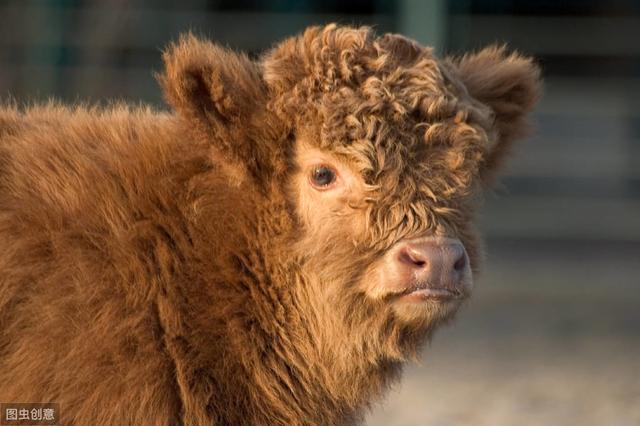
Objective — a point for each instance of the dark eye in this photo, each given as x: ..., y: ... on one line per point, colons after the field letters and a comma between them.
x: 323, y: 176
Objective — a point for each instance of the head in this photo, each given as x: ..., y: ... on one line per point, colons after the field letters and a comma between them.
x: 381, y: 150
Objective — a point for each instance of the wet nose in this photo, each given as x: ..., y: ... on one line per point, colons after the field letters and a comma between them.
x: 439, y: 262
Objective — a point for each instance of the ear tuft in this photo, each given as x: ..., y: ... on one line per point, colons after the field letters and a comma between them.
x: 510, y: 84
x: 208, y: 83
x: 221, y: 98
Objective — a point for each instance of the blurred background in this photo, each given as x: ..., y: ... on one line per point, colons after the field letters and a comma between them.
x: 552, y: 335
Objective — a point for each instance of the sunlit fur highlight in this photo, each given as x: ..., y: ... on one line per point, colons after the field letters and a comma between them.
x: 167, y: 261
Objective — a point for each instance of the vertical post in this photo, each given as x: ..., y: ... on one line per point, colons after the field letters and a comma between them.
x: 423, y: 21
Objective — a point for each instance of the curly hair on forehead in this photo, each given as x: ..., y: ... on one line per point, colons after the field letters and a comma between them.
x: 394, y: 111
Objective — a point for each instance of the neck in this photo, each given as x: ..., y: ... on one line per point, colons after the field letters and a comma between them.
x: 274, y: 355
x: 304, y: 367
x: 257, y: 345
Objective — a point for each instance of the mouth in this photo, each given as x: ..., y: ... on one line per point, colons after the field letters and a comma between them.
x: 424, y: 293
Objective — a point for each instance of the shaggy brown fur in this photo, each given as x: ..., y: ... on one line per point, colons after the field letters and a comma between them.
x: 178, y: 269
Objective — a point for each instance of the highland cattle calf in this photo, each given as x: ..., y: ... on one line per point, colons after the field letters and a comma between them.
x: 269, y: 253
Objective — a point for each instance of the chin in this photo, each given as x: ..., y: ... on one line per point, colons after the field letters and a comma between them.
x: 427, y: 313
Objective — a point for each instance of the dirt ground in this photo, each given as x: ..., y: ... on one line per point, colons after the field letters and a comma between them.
x: 551, y: 337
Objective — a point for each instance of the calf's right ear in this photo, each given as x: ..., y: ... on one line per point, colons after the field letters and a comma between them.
x: 218, y: 93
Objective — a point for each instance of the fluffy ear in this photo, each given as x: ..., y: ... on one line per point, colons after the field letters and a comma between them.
x: 219, y: 93
x: 510, y: 85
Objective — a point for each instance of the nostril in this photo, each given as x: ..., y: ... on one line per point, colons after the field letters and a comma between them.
x: 406, y: 256
x: 461, y: 263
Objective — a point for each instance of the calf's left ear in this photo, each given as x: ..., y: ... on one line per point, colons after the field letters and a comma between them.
x: 219, y: 93
x: 508, y: 83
